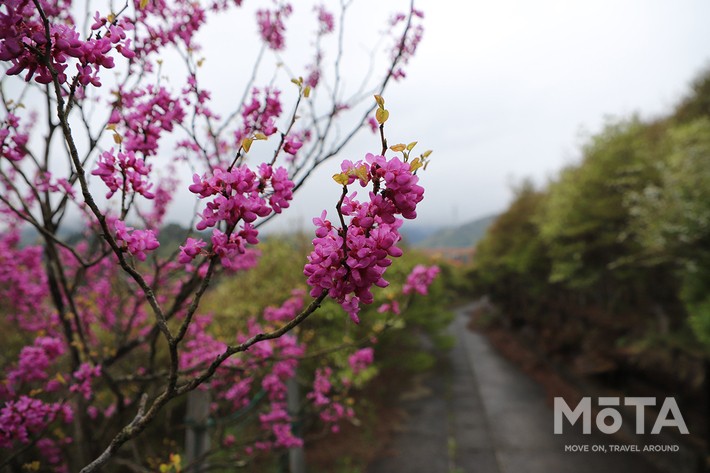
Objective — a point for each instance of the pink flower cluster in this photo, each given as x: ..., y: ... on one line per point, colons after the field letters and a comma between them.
x: 347, y: 262
x: 136, y: 242
x: 83, y: 377
x: 23, y: 284
x: 219, y: 5
x: 238, y: 195
x: 44, y: 182
x: 125, y: 172
x: 33, y: 362
x: 25, y: 416
x: 12, y: 139
x: 292, y: 144
x: 190, y: 250
x: 274, y: 361
x: 392, y: 306
x: 326, y: 21
x: 201, y: 348
x: 24, y: 43
x: 406, y: 48
x: 420, y: 279
x: 331, y: 412
x: 260, y: 118
x: 271, y: 26
x: 288, y: 309
x: 163, y: 195
x: 326, y: 25
x: 168, y: 23
x: 361, y: 359
x: 145, y: 114
x: 201, y: 97
x: 232, y: 250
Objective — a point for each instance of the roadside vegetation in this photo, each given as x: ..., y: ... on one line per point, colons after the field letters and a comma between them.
x: 606, y: 269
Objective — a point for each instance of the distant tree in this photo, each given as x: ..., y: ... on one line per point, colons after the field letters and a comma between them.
x: 672, y: 217
x: 512, y: 249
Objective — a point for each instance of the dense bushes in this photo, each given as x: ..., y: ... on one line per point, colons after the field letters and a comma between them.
x: 611, y: 260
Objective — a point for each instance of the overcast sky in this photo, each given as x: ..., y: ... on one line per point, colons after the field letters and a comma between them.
x: 503, y: 90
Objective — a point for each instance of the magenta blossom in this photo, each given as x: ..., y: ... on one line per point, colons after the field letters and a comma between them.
x: 347, y: 267
x: 420, y: 279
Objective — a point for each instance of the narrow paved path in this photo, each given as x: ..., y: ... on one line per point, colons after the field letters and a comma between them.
x: 477, y: 413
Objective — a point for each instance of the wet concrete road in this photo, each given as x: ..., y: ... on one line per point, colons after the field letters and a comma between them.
x: 478, y: 413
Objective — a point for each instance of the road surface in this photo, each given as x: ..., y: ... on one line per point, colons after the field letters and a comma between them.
x: 478, y: 413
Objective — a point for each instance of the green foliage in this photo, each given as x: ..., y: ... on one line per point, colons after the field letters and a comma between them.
x: 672, y: 218
x: 625, y: 234
x: 696, y: 298
x: 585, y: 218
x: 697, y: 104
x: 279, y: 271
x: 511, y: 262
x: 512, y: 245
x: 673, y: 215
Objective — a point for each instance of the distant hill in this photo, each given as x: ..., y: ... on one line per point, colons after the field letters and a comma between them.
x: 463, y: 236
x: 414, y: 233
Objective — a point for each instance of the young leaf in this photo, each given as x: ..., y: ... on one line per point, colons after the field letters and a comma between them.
x: 381, y: 115
x: 361, y: 173
x: 341, y: 178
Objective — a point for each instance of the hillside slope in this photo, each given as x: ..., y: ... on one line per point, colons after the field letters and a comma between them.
x: 463, y: 236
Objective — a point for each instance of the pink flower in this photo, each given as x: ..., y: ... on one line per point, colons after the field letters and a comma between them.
x: 292, y: 145
x: 361, y: 359
x: 288, y: 309
x: 13, y: 139
x: 125, y: 172
x: 389, y: 307
x: 258, y: 117
x: 191, y: 248
x: 420, y: 279
x: 143, y: 116
x: 83, y: 377
x: 372, y: 123
x: 23, y: 42
x: 326, y: 21
x: 271, y: 26
x: 136, y: 242
x: 348, y: 267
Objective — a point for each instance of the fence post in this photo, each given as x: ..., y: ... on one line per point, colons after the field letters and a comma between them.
x: 197, y: 439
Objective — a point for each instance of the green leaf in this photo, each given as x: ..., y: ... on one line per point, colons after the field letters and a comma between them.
x: 341, y: 178
x: 381, y: 115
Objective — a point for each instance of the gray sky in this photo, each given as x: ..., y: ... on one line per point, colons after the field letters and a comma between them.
x: 500, y: 90
x: 505, y: 90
